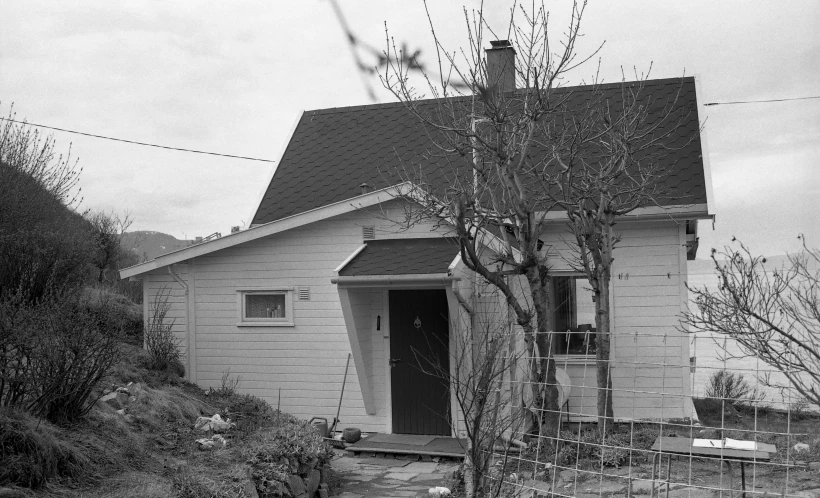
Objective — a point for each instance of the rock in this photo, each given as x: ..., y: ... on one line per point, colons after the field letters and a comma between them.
x: 111, y: 400
x: 130, y: 418
x: 815, y: 466
x: 801, y: 447
x: 438, y: 491
x: 708, y: 434
x: 250, y: 490
x: 11, y: 493
x: 567, y: 475
x: 214, y: 423
x: 215, y: 442
x: 436, y: 459
x: 296, y: 486
x: 426, y: 458
x: 323, y: 493
x: 205, y: 444
x: 121, y: 411
x: 312, y: 482
x: 641, y: 487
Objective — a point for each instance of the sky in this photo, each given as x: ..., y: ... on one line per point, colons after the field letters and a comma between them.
x: 232, y: 77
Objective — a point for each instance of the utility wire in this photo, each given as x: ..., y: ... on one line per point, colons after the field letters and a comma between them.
x: 761, y: 101
x: 137, y: 143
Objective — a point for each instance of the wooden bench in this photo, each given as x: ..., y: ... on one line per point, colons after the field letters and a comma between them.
x: 682, y: 447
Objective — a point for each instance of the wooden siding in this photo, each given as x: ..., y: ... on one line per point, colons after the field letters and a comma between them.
x: 307, y: 361
x: 649, y: 352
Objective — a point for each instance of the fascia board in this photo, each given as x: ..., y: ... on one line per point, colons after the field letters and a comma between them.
x: 704, y: 147
x: 297, y: 220
x: 266, y: 185
x: 649, y: 213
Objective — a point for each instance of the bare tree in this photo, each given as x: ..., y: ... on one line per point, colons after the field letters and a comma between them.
x: 614, y: 162
x: 479, y: 365
x: 771, y: 314
x: 30, y: 152
x: 486, y: 142
x: 107, y: 232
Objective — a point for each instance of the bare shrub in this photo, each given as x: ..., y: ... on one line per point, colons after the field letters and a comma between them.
x: 162, y: 345
x: 32, y: 153
x: 53, y: 355
x: 731, y: 387
x: 228, y: 384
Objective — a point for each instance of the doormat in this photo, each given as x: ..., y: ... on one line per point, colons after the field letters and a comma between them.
x: 411, y: 439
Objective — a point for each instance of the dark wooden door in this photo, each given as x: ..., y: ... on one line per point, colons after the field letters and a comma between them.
x: 420, y: 362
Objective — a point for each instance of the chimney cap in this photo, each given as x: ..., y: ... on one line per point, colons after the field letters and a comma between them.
x: 501, y: 44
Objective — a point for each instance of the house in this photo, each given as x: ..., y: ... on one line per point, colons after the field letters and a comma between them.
x: 323, y: 272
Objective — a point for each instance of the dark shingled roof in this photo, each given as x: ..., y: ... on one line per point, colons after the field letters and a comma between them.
x: 333, y: 151
x: 403, y: 257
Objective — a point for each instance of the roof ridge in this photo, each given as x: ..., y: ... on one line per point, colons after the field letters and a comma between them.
x: 386, y: 105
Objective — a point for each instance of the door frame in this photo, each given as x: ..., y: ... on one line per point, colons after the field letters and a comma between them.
x: 385, y: 325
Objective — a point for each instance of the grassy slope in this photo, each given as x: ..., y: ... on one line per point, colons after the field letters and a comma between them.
x: 149, y: 453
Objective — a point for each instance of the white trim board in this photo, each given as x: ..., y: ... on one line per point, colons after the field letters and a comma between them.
x: 297, y: 220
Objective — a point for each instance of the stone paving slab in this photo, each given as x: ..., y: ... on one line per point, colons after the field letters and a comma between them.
x: 373, y: 477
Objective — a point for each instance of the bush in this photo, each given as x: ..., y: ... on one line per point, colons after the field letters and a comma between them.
x: 53, y: 355
x: 116, y: 312
x: 160, y: 342
x: 275, y: 451
x: 731, y: 387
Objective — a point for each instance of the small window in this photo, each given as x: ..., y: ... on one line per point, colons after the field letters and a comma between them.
x: 266, y: 307
x: 574, y: 316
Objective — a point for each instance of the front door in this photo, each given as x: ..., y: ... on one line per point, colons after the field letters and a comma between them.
x: 420, y: 362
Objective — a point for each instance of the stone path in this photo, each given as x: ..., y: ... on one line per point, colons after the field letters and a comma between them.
x: 384, y: 477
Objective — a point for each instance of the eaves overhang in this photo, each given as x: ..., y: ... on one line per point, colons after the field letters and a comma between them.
x: 271, y: 228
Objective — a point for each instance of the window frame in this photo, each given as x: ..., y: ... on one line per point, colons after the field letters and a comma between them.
x: 567, y: 357
x: 245, y: 321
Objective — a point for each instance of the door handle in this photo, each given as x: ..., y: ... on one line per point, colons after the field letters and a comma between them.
x: 393, y: 361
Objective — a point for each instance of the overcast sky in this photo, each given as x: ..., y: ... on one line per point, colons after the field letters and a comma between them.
x: 231, y: 77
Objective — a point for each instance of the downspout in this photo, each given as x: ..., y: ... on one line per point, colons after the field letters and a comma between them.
x: 187, y: 318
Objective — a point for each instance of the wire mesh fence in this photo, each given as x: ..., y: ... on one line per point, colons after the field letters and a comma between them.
x: 708, y: 423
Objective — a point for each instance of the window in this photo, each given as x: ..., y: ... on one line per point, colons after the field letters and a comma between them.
x: 269, y: 308
x: 574, y: 316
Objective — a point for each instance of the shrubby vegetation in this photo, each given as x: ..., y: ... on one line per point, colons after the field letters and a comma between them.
x: 70, y: 330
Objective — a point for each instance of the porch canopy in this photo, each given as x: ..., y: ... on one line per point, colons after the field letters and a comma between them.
x: 362, y: 283
x: 432, y: 256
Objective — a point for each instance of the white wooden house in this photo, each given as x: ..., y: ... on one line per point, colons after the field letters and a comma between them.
x: 322, y: 272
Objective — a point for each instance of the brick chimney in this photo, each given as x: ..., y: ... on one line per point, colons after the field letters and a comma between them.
x: 501, y: 66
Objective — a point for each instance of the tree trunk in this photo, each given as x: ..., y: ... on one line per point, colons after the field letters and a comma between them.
x: 543, y: 382
x: 606, y: 416
x: 470, y: 481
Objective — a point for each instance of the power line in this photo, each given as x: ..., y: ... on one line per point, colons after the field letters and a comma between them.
x: 761, y: 101
x: 137, y: 143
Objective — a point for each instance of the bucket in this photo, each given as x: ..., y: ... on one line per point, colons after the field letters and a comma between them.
x: 320, y: 425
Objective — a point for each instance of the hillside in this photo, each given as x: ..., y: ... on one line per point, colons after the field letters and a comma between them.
x: 148, y: 244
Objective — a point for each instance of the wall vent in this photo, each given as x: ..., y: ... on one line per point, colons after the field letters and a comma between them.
x: 304, y: 293
x: 368, y: 232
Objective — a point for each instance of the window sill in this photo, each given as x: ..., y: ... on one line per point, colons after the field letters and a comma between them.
x: 574, y: 359
x: 265, y: 324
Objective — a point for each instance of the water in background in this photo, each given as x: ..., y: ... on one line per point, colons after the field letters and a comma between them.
x: 710, y: 356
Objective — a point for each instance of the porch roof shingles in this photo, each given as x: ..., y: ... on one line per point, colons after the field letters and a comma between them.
x: 402, y: 257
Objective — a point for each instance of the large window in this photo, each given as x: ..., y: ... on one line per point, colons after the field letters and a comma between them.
x: 574, y: 316
x: 272, y: 307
